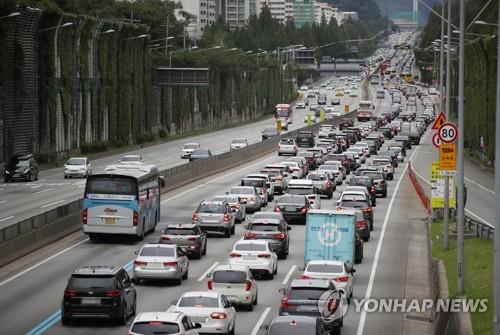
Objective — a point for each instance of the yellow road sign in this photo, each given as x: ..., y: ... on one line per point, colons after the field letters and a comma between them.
x: 322, y: 115
x: 437, y: 188
x: 447, y: 156
x: 309, y: 119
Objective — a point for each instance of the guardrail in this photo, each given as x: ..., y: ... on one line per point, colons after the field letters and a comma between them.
x: 30, y: 234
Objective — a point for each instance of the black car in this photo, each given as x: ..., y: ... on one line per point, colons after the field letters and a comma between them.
x: 269, y: 132
x: 322, y: 99
x: 270, y: 226
x: 345, y: 123
x: 21, y: 167
x: 200, y: 154
x: 305, y: 138
x: 188, y: 236
x: 293, y: 208
x: 101, y: 292
x: 293, y: 325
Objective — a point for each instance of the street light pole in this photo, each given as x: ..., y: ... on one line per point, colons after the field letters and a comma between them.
x: 460, y: 149
x: 446, y: 214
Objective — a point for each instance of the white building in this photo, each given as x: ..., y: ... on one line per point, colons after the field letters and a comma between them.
x: 277, y: 8
x: 205, y: 13
x: 323, y: 8
x: 235, y: 12
x: 343, y: 16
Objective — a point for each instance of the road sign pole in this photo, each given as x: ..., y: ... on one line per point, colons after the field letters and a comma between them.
x: 496, y: 259
x: 446, y: 213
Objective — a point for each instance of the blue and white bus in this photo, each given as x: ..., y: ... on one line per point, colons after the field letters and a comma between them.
x: 124, y: 199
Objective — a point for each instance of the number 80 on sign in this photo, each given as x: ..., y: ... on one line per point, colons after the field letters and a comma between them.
x: 448, y: 133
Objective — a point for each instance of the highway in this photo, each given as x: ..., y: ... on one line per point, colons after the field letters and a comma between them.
x: 20, y: 200
x: 29, y: 302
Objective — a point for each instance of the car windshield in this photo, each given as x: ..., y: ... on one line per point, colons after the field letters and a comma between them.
x: 300, y: 190
x: 242, y: 190
x: 264, y: 226
x: 15, y: 163
x: 250, y: 247
x: 306, y: 293
x: 292, y: 200
x: 86, y: 282
x: 131, y: 159
x: 317, y: 177
x: 229, y: 277
x: 200, y: 302
x: 325, y: 268
x: 191, y: 146
x: 374, y: 175
x: 76, y: 161
x: 228, y: 198
x: 179, y: 231
x: 157, y: 251
x: 155, y: 328
x: 207, y: 207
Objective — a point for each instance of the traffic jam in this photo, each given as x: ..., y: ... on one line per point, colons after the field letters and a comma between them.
x: 325, y: 187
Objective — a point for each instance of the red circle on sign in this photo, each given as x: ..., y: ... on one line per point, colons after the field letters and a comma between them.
x: 448, y: 133
x: 436, y: 141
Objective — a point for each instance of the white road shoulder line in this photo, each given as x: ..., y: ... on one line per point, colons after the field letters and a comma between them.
x: 3, y: 202
x: 51, y: 204
x: 47, y: 190
x: 261, y: 320
x: 7, y: 218
x: 289, y: 274
x: 204, y: 275
x: 479, y: 185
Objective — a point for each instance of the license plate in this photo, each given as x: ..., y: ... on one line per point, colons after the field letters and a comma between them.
x: 109, y: 220
x: 251, y: 258
x: 155, y: 265
x: 91, y: 301
x: 291, y: 209
x: 307, y: 308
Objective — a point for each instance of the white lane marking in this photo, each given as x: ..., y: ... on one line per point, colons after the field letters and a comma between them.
x: 51, y: 204
x: 262, y: 318
x: 215, y: 179
x: 204, y: 275
x: 7, y: 218
x: 379, y: 244
x: 37, y: 186
x: 34, y: 266
x: 81, y: 186
x: 289, y: 274
x: 2, y: 189
x: 479, y: 185
x: 47, y: 190
x: 3, y: 202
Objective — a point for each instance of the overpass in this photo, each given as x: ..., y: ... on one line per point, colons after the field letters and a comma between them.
x: 339, y: 65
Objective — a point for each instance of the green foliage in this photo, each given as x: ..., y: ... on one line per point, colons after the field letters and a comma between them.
x: 99, y: 146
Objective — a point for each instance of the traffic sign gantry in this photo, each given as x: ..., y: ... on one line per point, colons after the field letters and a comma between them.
x: 448, y: 133
x: 436, y: 141
x: 440, y: 120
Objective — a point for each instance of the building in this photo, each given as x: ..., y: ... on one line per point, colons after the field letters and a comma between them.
x: 235, y: 12
x: 344, y: 16
x: 288, y: 10
x: 277, y: 8
x: 303, y: 12
x: 323, y: 8
x: 205, y: 12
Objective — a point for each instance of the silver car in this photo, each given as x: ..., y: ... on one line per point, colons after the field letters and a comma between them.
x: 287, y: 146
x: 237, y: 205
x: 161, y: 261
x: 250, y: 196
x: 238, y: 143
x: 215, y: 216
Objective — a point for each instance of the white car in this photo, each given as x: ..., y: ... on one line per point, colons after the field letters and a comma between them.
x: 342, y: 274
x: 297, y: 172
x: 211, y: 310
x: 77, y: 167
x: 330, y: 88
x: 432, y: 90
x: 131, y: 159
x: 313, y: 117
x: 324, y: 131
x: 353, y: 93
x: 287, y: 146
x: 161, y: 261
x: 236, y: 282
x: 256, y: 255
x: 300, y: 105
x: 188, y: 148
x: 163, y: 323
x: 238, y: 143
x: 303, y: 88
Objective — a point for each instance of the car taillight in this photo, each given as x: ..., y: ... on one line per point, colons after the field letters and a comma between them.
x: 191, y: 238
x: 304, y: 210
x: 264, y: 256
x: 361, y: 224
x: 248, y: 285
x: 280, y: 236
x: 135, y: 219
x: 234, y: 254
x: 69, y: 292
x: 305, y: 277
x: 226, y: 217
x: 218, y: 316
x: 250, y: 234
x: 328, y: 183
x: 278, y: 178
x: 373, y: 190
x: 165, y: 238
x: 253, y: 198
x: 113, y: 293
x: 195, y: 216
x: 210, y: 284
x: 139, y: 263
x: 342, y: 279
x: 237, y: 206
x: 284, y: 302
x: 85, y: 216
x: 367, y: 210
x: 277, y: 209
x: 170, y: 263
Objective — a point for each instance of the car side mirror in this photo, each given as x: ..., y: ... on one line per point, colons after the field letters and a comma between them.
x: 136, y: 252
x: 209, y: 275
x: 197, y: 325
x: 288, y: 228
x: 282, y: 291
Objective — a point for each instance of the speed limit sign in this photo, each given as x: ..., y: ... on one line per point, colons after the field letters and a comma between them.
x: 448, y: 133
x: 436, y: 141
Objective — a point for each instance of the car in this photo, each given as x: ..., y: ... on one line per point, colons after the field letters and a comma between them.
x: 278, y: 180
x: 345, y: 123
x: 322, y: 183
x: 300, y: 105
x: 272, y: 227
x: 378, y: 180
x: 339, y: 92
x: 363, y: 228
x: 77, y: 167
x: 341, y: 168
x: 322, y: 99
x: 99, y: 291
x: 302, y: 298
x: 200, y: 154
x: 335, y: 101
x: 189, y: 236
x: 149, y: 323
x: 294, y: 325
x: 21, y: 167
x: 311, y: 116
x: 303, y: 88
x: 357, y: 200
x: 380, y: 94
x: 368, y: 184
x: 250, y: 196
x: 305, y: 187
x: 399, y: 151
x: 293, y: 208
x: 305, y: 138
x: 342, y: 274
x: 335, y: 170
x: 432, y: 91
x: 386, y: 163
x: 287, y: 146
x: 215, y: 216
x: 268, y: 185
x: 131, y: 159
x: 269, y: 133
x: 188, y: 148
x: 262, y: 188
x: 237, y: 284
x: 353, y: 93
x: 238, y: 205
x: 257, y: 255
x: 161, y: 261
x: 212, y: 310
x: 311, y: 158
x: 238, y: 143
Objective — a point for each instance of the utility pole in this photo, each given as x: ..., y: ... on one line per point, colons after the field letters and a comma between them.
x: 460, y: 149
x: 496, y: 276
x: 446, y: 212
x: 166, y: 37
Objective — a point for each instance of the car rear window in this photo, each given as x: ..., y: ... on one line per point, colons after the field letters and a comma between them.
x: 155, y: 327
x: 86, y: 282
x: 306, y: 293
x: 210, y: 208
x: 264, y: 215
x: 157, y: 251
x: 287, y: 142
x: 260, y: 226
x: 300, y: 190
x: 199, y: 301
x: 325, y: 268
x: 353, y: 204
x: 229, y: 276
x: 242, y: 190
x: 179, y: 231
x: 305, y: 154
x: 250, y: 247
x: 374, y: 175
x: 292, y: 200
x: 253, y: 182
x: 317, y: 177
